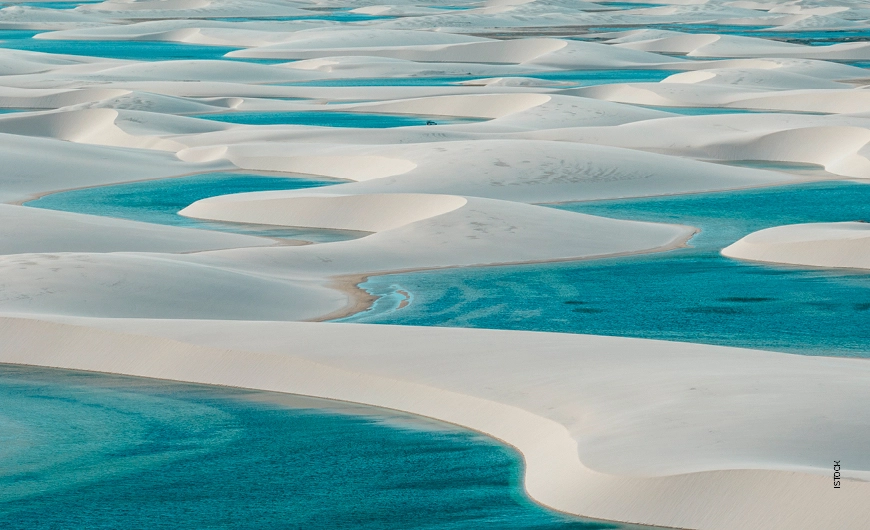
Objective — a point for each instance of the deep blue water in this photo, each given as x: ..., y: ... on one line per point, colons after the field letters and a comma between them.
x: 82, y: 450
x: 158, y: 201
x: 691, y: 294
x: 332, y: 119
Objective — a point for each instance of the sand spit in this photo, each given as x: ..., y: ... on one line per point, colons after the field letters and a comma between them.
x: 595, y: 441
x: 836, y: 245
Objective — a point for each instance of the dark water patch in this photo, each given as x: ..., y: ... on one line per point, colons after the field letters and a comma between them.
x: 713, y: 310
x: 746, y: 299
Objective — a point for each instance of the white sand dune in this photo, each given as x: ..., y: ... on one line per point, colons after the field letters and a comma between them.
x: 366, y: 213
x: 32, y: 230
x: 34, y: 165
x: 708, y: 440
x: 699, y: 89
x: 591, y: 55
x: 493, y: 52
x: 699, y: 45
x: 838, y: 245
x: 540, y: 172
x: 680, y: 435
x: 91, y: 126
x: 21, y: 62
x: 480, y: 231
x: 473, y: 106
x: 153, y: 286
x: 835, y: 144
x: 53, y: 98
x: 271, y: 157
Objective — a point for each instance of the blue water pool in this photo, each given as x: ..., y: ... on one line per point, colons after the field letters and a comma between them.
x: 15, y: 34
x: 628, y: 5
x: 158, y: 201
x: 333, y: 119
x: 82, y: 450
x: 692, y: 294
x: 52, y: 5
x: 706, y: 111
x: 128, y: 50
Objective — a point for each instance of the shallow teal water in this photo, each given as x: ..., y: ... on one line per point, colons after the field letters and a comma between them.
x: 159, y: 201
x: 82, y: 450
x: 692, y: 294
x: 72, y: 4
x: 333, y: 119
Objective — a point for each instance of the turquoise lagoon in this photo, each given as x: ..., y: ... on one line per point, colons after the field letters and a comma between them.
x: 159, y: 201
x: 129, y: 50
x: 85, y: 450
x: 692, y: 294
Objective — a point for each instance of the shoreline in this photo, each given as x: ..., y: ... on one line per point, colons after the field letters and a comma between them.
x: 360, y: 409
x: 360, y: 300
x: 554, y: 475
x: 257, y: 172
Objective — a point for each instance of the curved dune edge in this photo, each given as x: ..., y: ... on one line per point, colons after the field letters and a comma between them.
x: 830, y: 245
x: 359, y: 300
x: 489, y: 106
x: 554, y: 475
x: 88, y: 126
x: 364, y: 213
x: 517, y: 51
x: 350, y: 167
